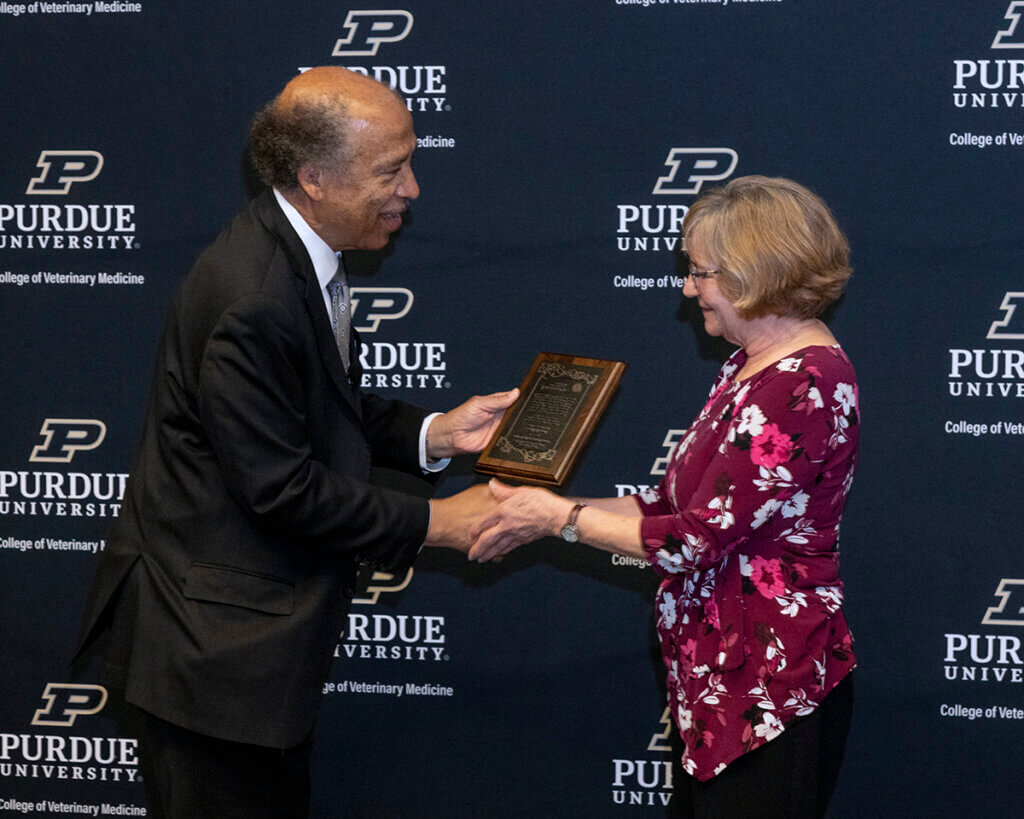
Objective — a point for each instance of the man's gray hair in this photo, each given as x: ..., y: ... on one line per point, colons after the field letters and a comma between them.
x: 307, y: 132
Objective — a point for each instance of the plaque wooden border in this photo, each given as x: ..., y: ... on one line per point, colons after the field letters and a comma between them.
x: 551, y: 466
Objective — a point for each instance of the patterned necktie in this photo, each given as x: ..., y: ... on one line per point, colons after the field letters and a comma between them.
x: 341, y: 312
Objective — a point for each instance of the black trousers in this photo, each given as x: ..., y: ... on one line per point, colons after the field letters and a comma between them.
x: 192, y: 776
x: 791, y: 777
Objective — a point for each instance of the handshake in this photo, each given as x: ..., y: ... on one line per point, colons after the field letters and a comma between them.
x: 489, y: 520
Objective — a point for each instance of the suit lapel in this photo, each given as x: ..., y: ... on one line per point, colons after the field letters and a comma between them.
x: 301, y: 264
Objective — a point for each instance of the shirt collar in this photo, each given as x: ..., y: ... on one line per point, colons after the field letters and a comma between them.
x: 325, y: 261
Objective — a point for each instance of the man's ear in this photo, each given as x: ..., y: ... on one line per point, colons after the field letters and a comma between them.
x: 311, y: 182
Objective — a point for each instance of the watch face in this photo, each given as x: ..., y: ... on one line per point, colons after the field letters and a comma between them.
x: 570, y: 534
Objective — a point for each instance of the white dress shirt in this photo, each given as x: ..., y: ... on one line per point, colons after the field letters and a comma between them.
x: 325, y: 263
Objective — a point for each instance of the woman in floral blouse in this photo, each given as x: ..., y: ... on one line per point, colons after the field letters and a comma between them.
x: 744, y: 527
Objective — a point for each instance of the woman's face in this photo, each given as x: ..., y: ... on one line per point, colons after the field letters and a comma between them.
x: 720, y: 317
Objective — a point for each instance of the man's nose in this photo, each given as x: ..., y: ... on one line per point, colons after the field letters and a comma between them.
x: 409, y: 187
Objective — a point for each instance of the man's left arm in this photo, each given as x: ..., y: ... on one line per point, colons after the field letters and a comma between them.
x: 395, y: 430
x: 468, y: 427
x: 463, y: 430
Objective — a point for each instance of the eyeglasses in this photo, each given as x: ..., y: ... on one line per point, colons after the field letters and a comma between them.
x: 695, y: 273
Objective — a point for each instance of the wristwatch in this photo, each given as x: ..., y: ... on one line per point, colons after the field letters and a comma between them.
x: 570, y: 531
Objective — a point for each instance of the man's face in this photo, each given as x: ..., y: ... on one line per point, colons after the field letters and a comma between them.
x: 363, y: 206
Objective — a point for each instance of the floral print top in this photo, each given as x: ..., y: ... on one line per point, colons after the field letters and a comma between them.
x: 744, y: 530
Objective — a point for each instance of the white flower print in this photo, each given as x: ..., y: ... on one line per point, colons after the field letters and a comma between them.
x: 752, y: 420
x: 673, y: 674
x: 798, y: 699
x: 671, y: 562
x: 775, y: 653
x: 777, y: 478
x: 788, y: 365
x: 650, y: 495
x: 684, y: 719
x: 770, y: 728
x: 692, y: 547
x: 814, y: 396
x: 819, y: 671
x: 800, y: 532
x: 841, y: 424
x: 848, y: 482
x: 796, y: 505
x: 698, y: 585
x: 791, y: 605
x: 831, y: 596
x: 845, y: 395
x: 770, y: 507
x: 723, y: 508
x: 668, y: 610
x: 715, y: 691
x: 761, y: 692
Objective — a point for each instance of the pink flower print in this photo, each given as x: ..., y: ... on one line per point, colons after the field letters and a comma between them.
x: 687, y: 654
x: 711, y: 614
x: 771, y: 447
x: 766, y: 575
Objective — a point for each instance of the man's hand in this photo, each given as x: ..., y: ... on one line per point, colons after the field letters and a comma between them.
x: 525, y: 514
x: 452, y: 519
x: 469, y: 426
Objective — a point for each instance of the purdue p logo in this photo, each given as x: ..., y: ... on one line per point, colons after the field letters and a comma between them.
x: 1010, y: 611
x: 690, y: 168
x: 383, y: 582
x: 62, y: 437
x: 372, y: 305
x: 671, y: 439
x: 58, y: 170
x: 368, y: 29
x: 1013, y: 35
x: 1011, y: 325
x: 65, y: 702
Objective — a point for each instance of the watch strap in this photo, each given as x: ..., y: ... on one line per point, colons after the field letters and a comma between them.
x: 574, y: 514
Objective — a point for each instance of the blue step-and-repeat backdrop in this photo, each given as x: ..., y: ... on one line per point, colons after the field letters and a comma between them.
x: 560, y: 146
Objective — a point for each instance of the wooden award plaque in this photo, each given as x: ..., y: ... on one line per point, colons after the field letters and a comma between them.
x: 544, y: 431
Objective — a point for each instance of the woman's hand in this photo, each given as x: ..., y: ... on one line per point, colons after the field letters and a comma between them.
x: 524, y: 514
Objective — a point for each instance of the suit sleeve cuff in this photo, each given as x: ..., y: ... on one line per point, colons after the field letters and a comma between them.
x: 425, y: 465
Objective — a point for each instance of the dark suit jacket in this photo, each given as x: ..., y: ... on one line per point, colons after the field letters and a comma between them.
x: 227, y: 578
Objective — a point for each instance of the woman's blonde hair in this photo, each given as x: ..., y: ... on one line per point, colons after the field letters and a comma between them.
x: 776, y: 244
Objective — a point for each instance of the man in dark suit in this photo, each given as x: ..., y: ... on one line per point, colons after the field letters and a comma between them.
x: 226, y: 581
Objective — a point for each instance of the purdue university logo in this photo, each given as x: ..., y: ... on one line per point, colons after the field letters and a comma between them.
x: 368, y: 29
x: 65, y: 702
x: 372, y: 305
x: 1013, y: 35
x: 63, y: 437
x: 1011, y: 325
x: 690, y: 168
x: 59, y: 170
x: 382, y: 582
x: 1010, y: 611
